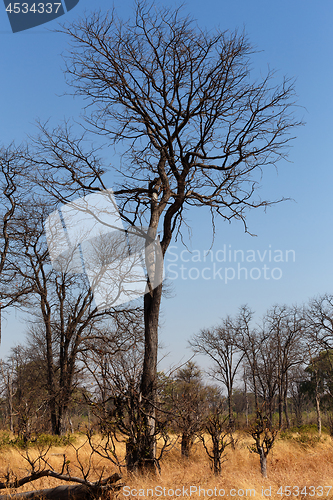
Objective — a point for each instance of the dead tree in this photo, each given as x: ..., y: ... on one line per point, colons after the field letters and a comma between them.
x: 9, y: 197
x: 7, y: 372
x: 284, y: 333
x: 85, y: 491
x: 218, y: 428
x: 40, y: 467
x: 264, y: 438
x: 248, y: 340
x: 185, y: 398
x: 61, y: 304
x: 197, y: 131
x: 114, y: 367
x: 13, y: 191
x: 219, y: 344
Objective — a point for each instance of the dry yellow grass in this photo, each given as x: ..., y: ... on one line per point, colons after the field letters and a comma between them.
x: 289, y: 464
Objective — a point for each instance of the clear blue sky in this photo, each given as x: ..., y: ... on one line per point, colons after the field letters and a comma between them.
x: 296, y: 39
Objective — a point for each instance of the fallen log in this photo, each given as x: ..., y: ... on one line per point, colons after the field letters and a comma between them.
x: 91, y: 491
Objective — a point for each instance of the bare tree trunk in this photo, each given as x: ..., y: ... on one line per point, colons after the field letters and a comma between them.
x: 231, y: 414
x: 59, y: 493
x: 8, y: 381
x: 186, y: 445
x: 246, y: 400
x: 318, y: 404
x: 263, y: 463
x: 142, y: 454
x: 75, y: 492
x: 318, y: 413
x: 285, y: 399
x: 86, y: 491
x: 280, y: 411
x: 71, y: 424
x: 286, y: 412
x: 299, y: 417
x: 10, y: 402
x: 216, y: 456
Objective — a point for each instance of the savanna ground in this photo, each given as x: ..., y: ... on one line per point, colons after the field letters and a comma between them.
x: 298, y: 459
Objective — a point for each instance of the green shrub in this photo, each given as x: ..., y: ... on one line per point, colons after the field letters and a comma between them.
x: 41, y: 440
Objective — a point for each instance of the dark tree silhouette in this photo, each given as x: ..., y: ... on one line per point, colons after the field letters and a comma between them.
x: 196, y: 128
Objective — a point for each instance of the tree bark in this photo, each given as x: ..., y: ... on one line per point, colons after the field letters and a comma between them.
x: 231, y: 414
x: 318, y: 404
x: 286, y: 412
x: 318, y: 414
x: 246, y: 400
x: 216, y: 455
x: 280, y: 412
x: 263, y: 464
x: 186, y: 445
x: 84, y: 491
x: 141, y: 454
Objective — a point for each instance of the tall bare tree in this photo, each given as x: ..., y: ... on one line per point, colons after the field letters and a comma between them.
x: 196, y: 129
x: 188, y: 404
x: 319, y: 321
x: 285, y: 340
x: 220, y: 345
x: 64, y: 316
x: 13, y: 191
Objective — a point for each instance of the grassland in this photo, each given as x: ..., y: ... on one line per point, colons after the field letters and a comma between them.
x: 299, y: 460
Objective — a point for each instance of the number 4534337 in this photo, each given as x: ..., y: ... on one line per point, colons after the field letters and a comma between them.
x: 311, y: 491
x: 36, y: 8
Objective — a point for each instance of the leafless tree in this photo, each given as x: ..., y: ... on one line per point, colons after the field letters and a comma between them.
x: 319, y: 336
x: 64, y: 316
x: 271, y: 351
x: 285, y: 333
x: 24, y: 375
x: 219, y: 344
x: 13, y: 191
x: 248, y: 339
x: 115, y: 368
x: 264, y: 437
x: 280, y: 349
x: 10, y: 183
x: 299, y: 398
x: 7, y: 390
x: 197, y: 131
x: 216, y: 425
x: 39, y: 466
x: 188, y: 403
x: 319, y: 321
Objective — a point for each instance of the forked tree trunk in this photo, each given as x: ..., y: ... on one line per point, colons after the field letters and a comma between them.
x: 216, y: 455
